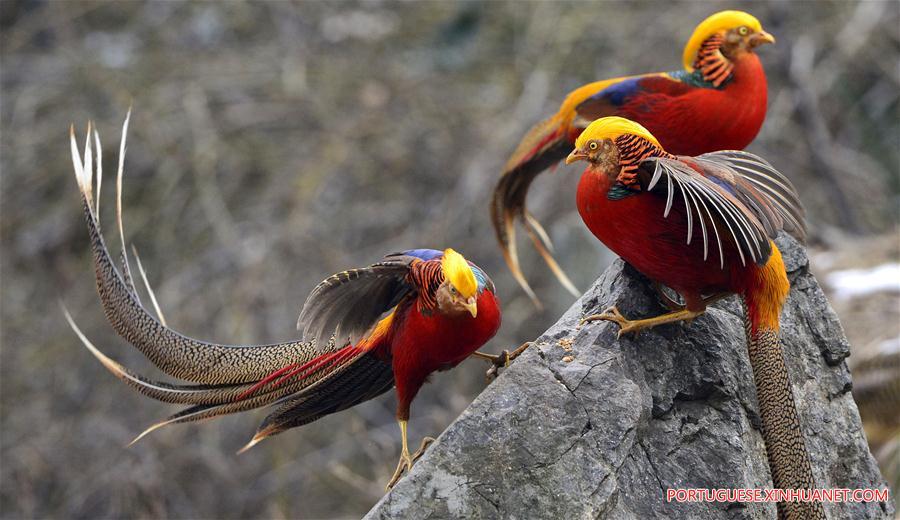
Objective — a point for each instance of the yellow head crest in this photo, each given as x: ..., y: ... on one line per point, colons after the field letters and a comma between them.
x: 457, y: 271
x: 612, y: 127
x: 721, y: 21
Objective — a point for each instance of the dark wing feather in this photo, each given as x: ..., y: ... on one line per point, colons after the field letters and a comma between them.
x: 349, y: 303
x: 366, y: 377
x: 770, y: 189
x: 727, y: 207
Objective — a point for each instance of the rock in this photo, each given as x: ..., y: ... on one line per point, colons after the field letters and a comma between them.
x: 584, y: 425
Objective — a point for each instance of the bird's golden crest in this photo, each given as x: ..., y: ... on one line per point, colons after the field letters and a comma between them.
x: 719, y: 22
x: 458, y: 273
x: 612, y: 127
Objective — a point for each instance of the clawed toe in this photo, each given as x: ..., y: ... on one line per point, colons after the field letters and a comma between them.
x: 403, y: 465
x: 609, y: 314
x: 501, y: 360
x: 426, y: 442
x: 612, y: 314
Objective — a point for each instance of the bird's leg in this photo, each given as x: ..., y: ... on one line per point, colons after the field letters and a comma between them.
x: 406, y: 461
x: 501, y: 360
x: 625, y: 325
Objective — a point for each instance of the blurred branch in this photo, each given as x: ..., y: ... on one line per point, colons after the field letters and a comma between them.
x: 816, y: 131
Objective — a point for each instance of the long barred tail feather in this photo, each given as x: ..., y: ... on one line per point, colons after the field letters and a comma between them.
x: 308, y: 381
x: 782, y: 433
x: 174, y: 353
x: 787, y: 453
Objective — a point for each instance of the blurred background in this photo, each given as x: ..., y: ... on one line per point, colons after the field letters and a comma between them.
x: 274, y: 143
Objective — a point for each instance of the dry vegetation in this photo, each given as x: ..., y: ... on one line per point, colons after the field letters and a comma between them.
x: 274, y: 143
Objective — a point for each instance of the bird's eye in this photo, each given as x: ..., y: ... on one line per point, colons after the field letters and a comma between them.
x: 593, y: 145
x: 743, y: 31
x: 452, y: 290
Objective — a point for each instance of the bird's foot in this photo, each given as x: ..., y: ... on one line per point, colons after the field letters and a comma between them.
x: 501, y: 360
x: 405, y: 464
x: 634, y: 326
x: 612, y: 314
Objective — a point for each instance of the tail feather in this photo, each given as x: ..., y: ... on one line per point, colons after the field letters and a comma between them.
x: 547, y: 254
x: 150, y: 292
x: 191, y: 394
x: 545, y: 145
x: 365, y: 378
x: 788, y: 456
x: 174, y: 353
x: 306, y: 387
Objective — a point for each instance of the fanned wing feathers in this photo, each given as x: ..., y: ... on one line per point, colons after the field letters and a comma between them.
x: 349, y: 303
x: 767, y: 182
x: 735, y: 196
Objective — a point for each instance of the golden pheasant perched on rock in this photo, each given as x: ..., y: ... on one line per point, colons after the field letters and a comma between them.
x: 703, y: 226
x: 388, y: 325
x: 716, y: 102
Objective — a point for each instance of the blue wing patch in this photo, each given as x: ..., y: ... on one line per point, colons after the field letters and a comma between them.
x: 424, y: 254
x: 618, y: 93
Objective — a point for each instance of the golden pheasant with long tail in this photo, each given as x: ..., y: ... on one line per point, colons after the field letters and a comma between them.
x: 390, y: 325
x: 703, y: 226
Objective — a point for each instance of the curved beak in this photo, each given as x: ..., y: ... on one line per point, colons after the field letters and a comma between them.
x: 472, y: 306
x: 577, y: 155
x: 760, y: 38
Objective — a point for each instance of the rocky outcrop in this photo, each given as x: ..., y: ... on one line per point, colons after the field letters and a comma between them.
x: 585, y: 425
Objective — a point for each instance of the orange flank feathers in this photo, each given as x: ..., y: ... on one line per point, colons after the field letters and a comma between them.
x: 767, y: 288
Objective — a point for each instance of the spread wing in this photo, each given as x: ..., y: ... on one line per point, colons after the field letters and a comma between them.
x: 350, y: 302
x: 736, y: 197
x: 776, y: 190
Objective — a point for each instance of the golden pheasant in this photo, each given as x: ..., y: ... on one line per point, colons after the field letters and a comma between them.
x: 703, y: 226
x: 388, y: 325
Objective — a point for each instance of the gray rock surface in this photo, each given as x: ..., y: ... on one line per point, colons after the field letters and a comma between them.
x: 587, y: 426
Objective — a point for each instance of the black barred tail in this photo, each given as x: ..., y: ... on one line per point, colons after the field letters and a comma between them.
x: 788, y: 457
x: 307, y: 391
x: 544, y: 146
x: 174, y: 353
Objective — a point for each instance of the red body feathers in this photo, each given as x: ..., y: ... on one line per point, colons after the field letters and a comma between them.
x: 700, y: 120
x: 421, y: 343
